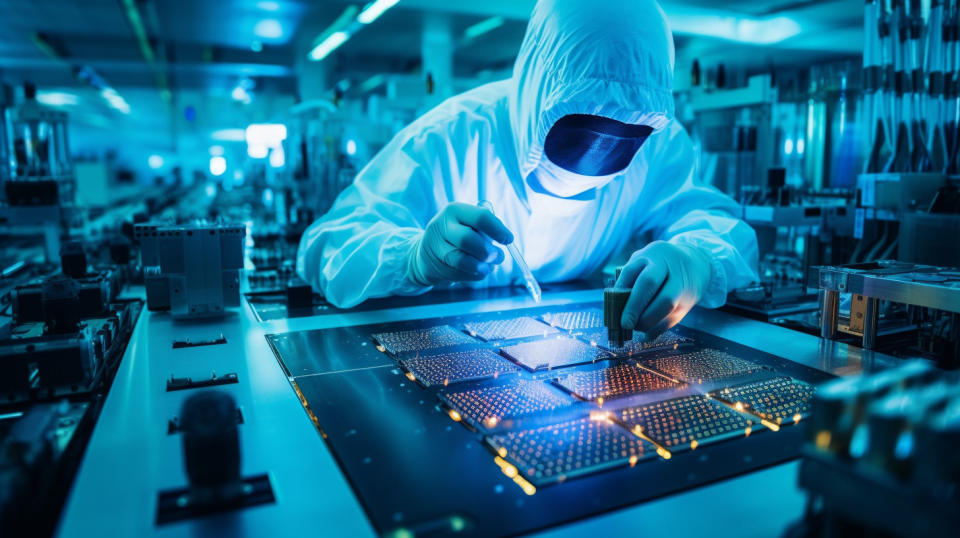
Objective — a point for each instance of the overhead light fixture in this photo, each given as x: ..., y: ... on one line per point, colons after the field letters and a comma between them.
x: 335, y: 34
x: 229, y: 135
x: 724, y: 25
x: 372, y: 83
x: 267, y: 134
x: 328, y: 45
x: 218, y: 165
x: 57, y: 98
x: 277, y: 157
x: 257, y: 151
x: 268, y: 29
x: 373, y: 11
x: 155, y: 162
x: 114, y: 100
x: 483, y: 27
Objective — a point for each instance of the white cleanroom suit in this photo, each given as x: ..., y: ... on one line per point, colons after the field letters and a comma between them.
x: 612, y: 59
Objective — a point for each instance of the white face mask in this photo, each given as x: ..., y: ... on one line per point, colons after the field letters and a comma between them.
x: 564, y: 184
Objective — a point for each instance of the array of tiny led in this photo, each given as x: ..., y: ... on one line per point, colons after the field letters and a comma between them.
x: 575, y: 320
x: 489, y: 406
x: 623, y: 379
x: 683, y: 422
x: 547, y: 424
x: 778, y: 399
x: 553, y: 353
x: 443, y: 336
x: 667, y: 340
x: 701, y: 365
x: 508, y: 329
x: 554, y: 453
x: 457, y: 366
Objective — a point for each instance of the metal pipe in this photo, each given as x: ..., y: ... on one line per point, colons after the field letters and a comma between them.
x: 830, y: 301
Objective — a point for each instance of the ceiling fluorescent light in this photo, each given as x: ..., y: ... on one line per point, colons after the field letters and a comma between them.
x: 733, y: 28
x: 328, y: 45
x: 334, y: 35
x: 374, y: 10
x: 483, y: 27
x: 372, y: 83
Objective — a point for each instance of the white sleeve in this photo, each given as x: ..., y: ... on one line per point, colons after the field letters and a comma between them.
x: 360, y: 248
x: 683, y: 210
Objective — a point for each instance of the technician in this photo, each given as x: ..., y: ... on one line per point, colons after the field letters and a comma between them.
x: 578, y: 152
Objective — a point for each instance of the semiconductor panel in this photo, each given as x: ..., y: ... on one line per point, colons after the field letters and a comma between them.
x: 779, y: 399
x: 553, y: 353
x: 667, y: 340
x: 677, y: 423
x: 701, y: 365
x: 575, y: 320
x: 490, y: 405
x: 508, y: 329
x: 457, y: 366
x: 614, y: 381
x: 554, y: 453
x: 439, y: 337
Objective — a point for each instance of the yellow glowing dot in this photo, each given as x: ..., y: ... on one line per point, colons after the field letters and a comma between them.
x: 675, y: 345
x: 510, y: 470
x: 738, y: 406
x: 600, y: 416
x: 822, y: 439
x: 747, y: 431
x: 663, y: 453
x: 454, y: 415
x: 446, y: 382
x: 797, y: 417
x: 600, y: 401
x: 770, y: 425
x: 491, y: 422
x: 381, y: 349
x: 694, y: 444
x: 401, y: 533
x: 410, y: 376
x: 633, y: 460
x: 502, y: 451
x: 779, y: 420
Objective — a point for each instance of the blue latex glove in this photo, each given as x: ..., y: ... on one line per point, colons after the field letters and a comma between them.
x: 456, y: 246
x: 666, y: 281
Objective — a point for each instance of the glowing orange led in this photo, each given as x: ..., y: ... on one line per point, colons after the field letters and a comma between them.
x: 454, y: 415
x: 822, y: 440
x: 410, y: 376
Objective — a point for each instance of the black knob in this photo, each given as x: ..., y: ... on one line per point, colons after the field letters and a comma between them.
x: 211, y: 442
x: 73, y: 260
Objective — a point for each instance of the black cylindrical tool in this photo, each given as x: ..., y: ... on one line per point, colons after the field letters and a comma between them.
x: 614, y: 300
x: 211, y: 444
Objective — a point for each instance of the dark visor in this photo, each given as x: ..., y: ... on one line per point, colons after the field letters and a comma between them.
x: 593, y: 145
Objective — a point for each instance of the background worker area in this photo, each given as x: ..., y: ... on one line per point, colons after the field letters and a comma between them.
x: 578, y: 151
